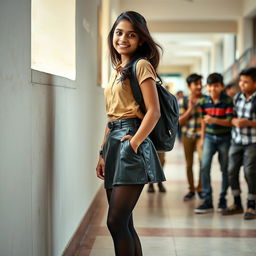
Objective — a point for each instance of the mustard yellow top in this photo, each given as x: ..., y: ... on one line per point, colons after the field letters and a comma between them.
x: 119, y: 99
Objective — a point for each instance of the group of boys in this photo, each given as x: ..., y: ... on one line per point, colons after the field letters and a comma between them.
x: 218, y: 123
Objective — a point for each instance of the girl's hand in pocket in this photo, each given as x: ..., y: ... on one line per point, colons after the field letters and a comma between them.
x: 129, y: 137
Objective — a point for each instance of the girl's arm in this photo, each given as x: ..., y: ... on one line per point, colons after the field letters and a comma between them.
x: 105, y: 136
x: 150, y: 96
x: 100, y: 168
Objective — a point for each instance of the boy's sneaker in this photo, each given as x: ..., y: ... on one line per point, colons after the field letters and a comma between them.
x: 200, y: 194
x: 189, y: 196
x: 204, y: 208
x: 222, y: 205
x: 233, y: 209
x: 250, y: 214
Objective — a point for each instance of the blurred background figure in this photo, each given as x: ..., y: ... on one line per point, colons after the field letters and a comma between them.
x: 216, y: 113
x: 243, y: 148
x: 179, y: 96
x: 160, y: 185
x: 191, y: 131
x: 231, y: 89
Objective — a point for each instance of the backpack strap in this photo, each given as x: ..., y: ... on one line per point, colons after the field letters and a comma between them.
x: 185, y: 102
x: 136, y: 91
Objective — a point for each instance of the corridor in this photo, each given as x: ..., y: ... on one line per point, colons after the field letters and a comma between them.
x: 54, y: 68
x: 168, y: 226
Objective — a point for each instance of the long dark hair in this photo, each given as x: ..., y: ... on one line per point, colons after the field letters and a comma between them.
x: 149, y: 48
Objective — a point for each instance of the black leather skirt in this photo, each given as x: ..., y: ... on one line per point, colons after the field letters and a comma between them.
x: 122, y: 164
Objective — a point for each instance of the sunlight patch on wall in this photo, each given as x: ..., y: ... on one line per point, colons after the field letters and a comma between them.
x: 53, y: 43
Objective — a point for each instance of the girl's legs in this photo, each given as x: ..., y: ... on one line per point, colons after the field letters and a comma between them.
x: 122, y: 200
x: 136, y: 240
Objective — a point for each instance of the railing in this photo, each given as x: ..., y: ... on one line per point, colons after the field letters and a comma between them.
x: 246, y: 60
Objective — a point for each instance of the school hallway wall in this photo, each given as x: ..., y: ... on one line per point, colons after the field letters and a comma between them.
x: 49, y: 136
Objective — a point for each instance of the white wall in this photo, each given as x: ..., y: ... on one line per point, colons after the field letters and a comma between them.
x: 49, y: 139
x: 15, y: 131
x: 115, y: 10
x: 196, y: 67
x: 205, y: 67
x: 228, y: 50
x: 244, y: 35
x: 216, y: 57
x: 245, y: 27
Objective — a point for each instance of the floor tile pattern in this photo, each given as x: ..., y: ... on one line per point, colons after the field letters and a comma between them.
x: 168, y: 226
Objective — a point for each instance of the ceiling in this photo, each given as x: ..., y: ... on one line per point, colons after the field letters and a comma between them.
x: 185, y: 48
x: 186, y: 9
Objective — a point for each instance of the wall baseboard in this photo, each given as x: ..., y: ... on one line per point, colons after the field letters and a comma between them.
x: 84, y: 227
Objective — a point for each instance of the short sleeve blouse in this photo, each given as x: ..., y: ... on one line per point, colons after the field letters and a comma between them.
x: 119, y: 99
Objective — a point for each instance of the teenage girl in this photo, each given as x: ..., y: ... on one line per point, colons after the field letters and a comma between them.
x: 128, y: 159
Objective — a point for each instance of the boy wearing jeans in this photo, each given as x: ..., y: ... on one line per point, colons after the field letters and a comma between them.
x: 217, y: 112
x: 243, y: 147
x: 190, y: 121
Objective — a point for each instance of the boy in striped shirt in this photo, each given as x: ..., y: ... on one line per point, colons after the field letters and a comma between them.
x: 217, y: 112
x: 243, y: 147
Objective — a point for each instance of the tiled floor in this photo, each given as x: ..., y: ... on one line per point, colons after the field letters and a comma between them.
x: 168, y: 227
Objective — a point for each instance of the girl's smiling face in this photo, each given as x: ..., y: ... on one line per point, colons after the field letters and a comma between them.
x: 125, y: 40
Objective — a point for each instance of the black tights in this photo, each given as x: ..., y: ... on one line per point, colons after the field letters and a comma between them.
x: 122, y: 200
